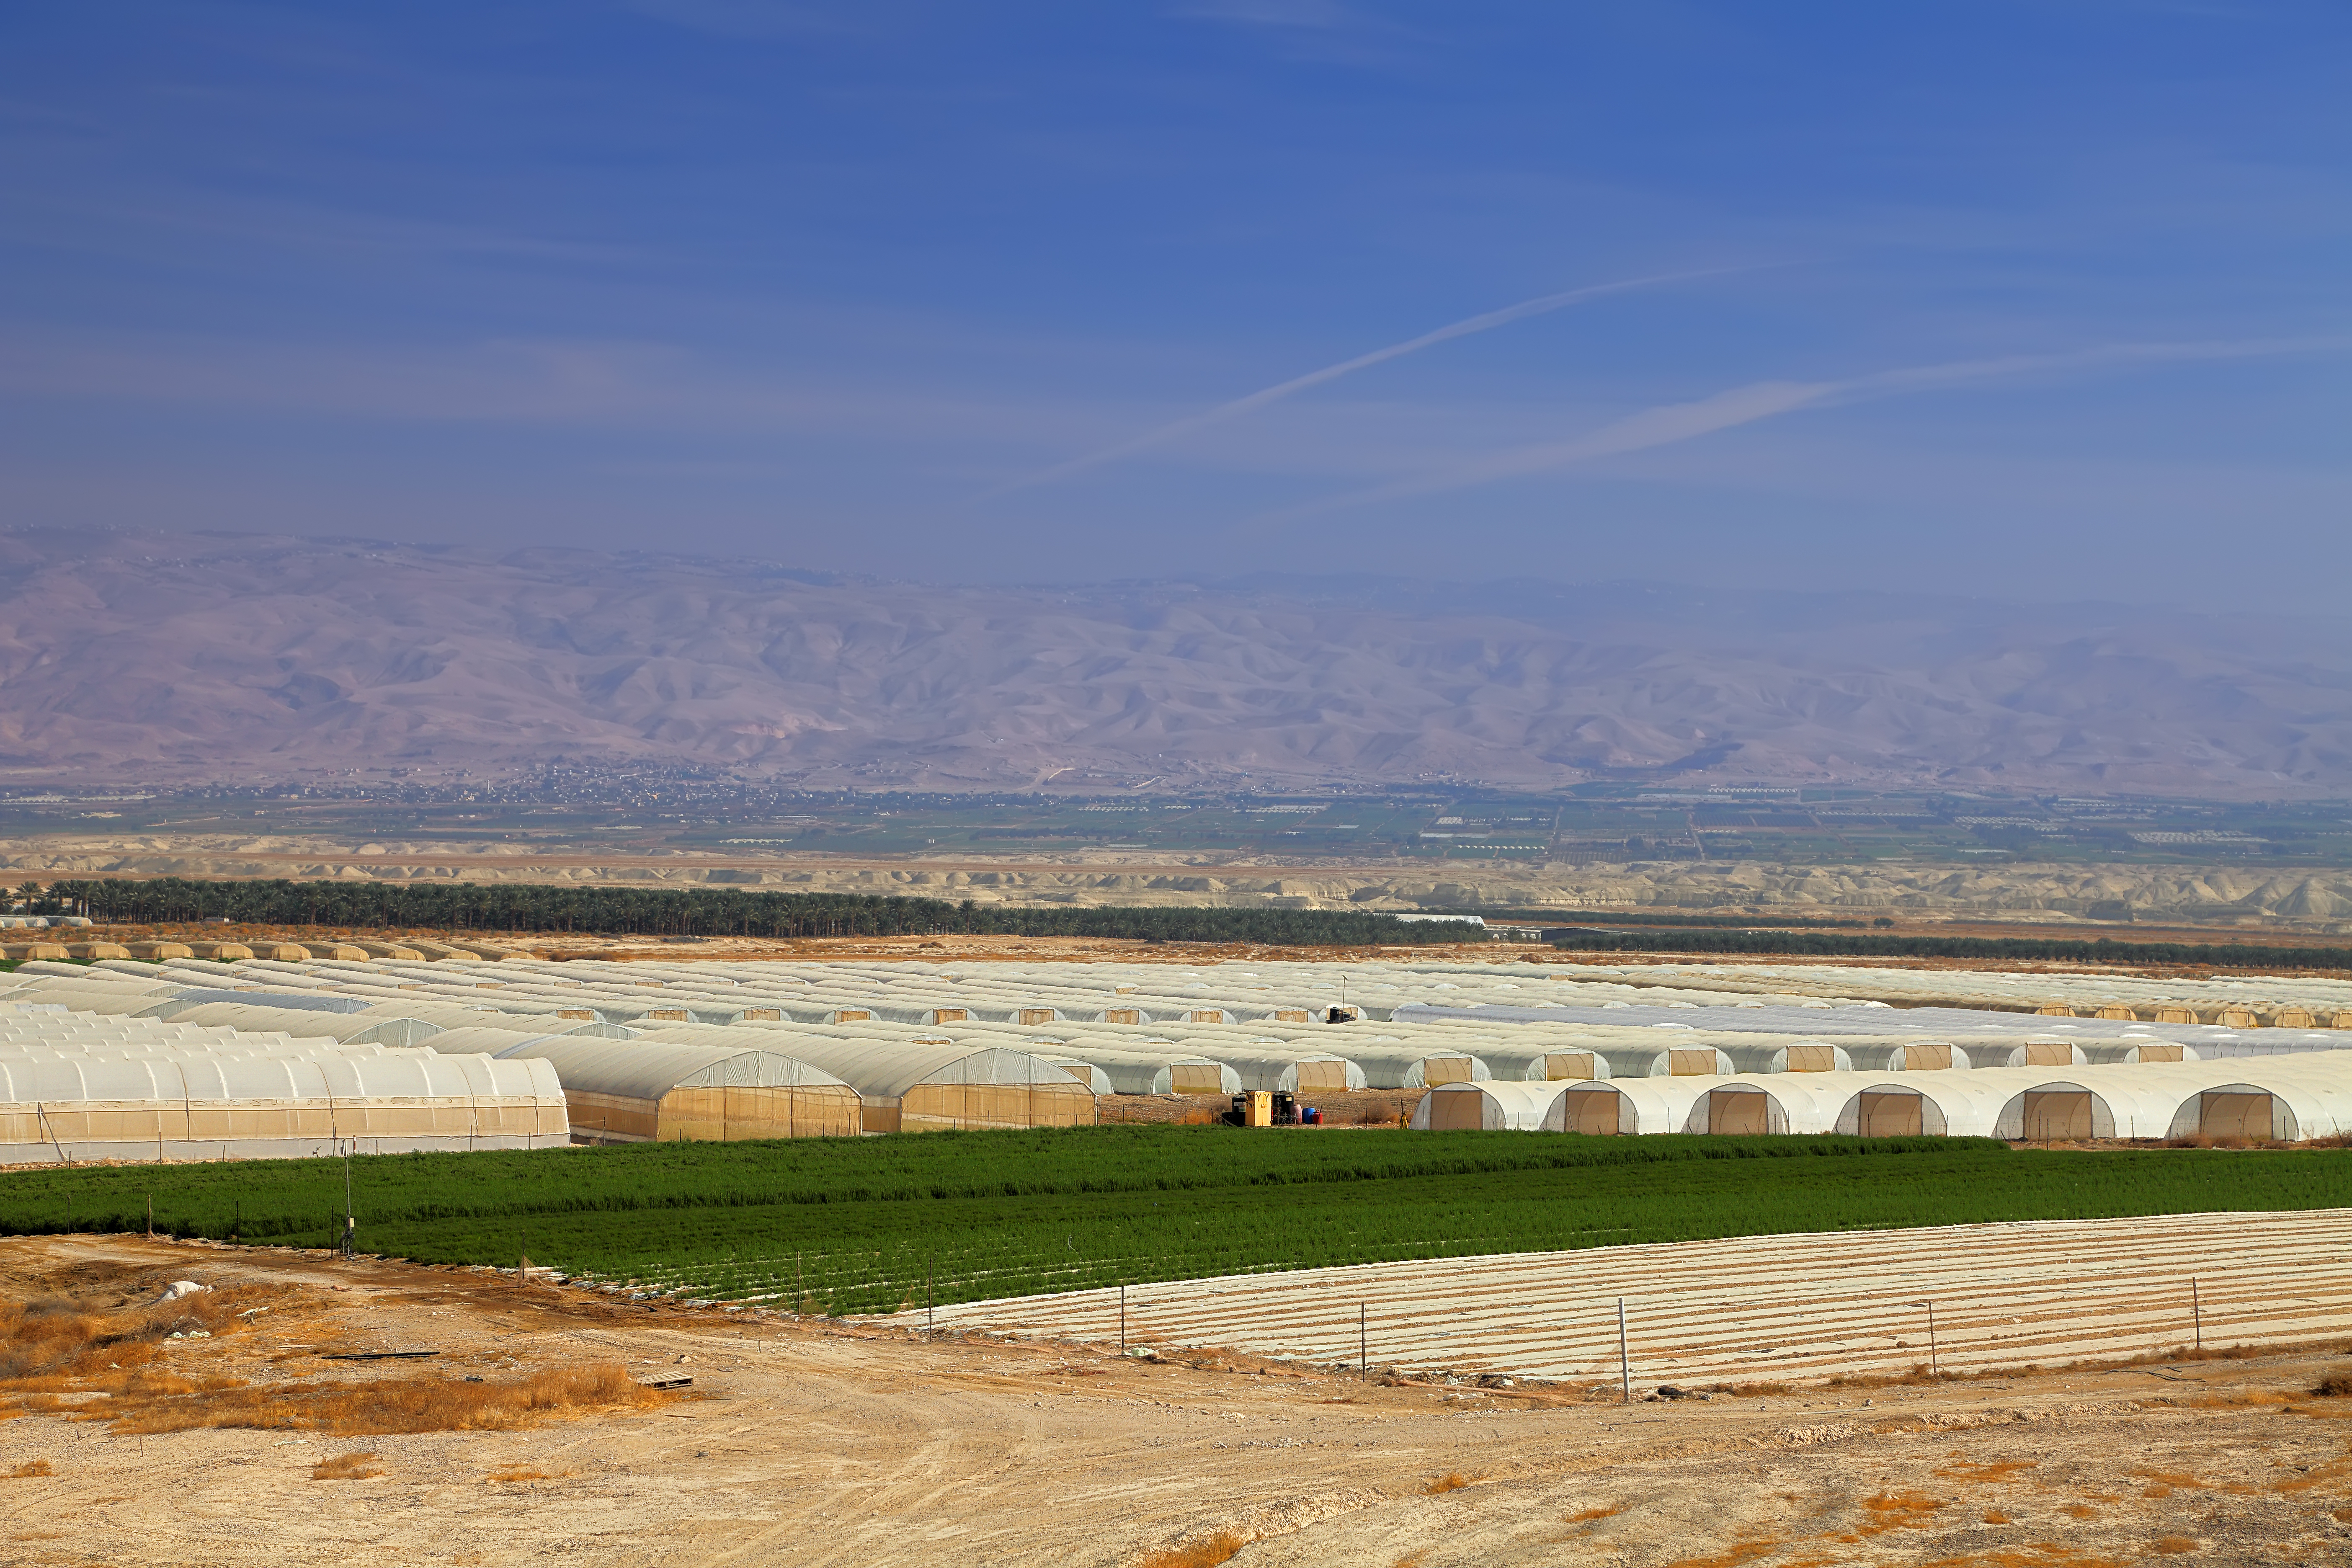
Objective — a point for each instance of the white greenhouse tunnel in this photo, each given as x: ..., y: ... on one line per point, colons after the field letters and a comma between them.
x: 2285, y: 1098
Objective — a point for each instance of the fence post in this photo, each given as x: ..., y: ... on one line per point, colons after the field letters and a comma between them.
x: 1624, y: 1356
x: 1933, y: 1369
x: 1364, y: 1346
x: 1123, y: 1320
x: 2197, y: 1311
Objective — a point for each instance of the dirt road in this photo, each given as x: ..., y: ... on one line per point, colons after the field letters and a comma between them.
x: 812, y: 1442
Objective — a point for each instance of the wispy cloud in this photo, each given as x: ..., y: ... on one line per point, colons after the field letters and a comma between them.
x: 1262, y: 398
x: 1670, y: 422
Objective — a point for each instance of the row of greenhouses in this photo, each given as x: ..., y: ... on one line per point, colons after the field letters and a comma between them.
x: 76, y: 1086
x: 2282, y: 1099
x: 1133, y: 994
x: 2300, y: 1001
x: 1204, y: 1057
x: 762, y: 1049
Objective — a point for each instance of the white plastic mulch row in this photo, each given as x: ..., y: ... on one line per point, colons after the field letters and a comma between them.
x: 1760, y: 1309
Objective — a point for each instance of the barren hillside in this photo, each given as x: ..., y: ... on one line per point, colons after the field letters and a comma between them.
x: 211, y: 655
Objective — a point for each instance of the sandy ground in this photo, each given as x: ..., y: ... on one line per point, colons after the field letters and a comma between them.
x: 815, y: 1443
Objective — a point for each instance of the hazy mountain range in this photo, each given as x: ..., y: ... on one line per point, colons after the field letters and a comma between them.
x: 164, y: 658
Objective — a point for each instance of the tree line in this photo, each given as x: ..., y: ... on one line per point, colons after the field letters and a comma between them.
x: 1824, y: 945
x: 1652, y: 917
x: 699, y: 911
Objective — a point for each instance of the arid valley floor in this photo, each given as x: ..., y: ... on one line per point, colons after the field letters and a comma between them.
x: 811, y: 1442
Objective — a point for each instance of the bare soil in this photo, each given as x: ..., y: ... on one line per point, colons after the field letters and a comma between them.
x: 1097, y: 950
x: 811, y: 1442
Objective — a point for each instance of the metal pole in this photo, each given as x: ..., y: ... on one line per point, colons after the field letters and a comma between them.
x: 1624, y: 1356
x: 350, y: 1226
x: 927, y: 1297
x: 1123, y: 1320
x: 1364, y: 1346
x: 2197, y: 1311
x: 1935, y: 1365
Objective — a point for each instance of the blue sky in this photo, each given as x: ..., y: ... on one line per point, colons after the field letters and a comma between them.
x: 2027, y: 299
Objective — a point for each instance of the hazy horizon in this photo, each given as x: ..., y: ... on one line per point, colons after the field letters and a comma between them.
x: 219, y: 655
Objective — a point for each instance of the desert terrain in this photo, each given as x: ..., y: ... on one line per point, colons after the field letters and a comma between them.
x: 2203, y: 895
x: 157, y: 655
x: 832, y: 1442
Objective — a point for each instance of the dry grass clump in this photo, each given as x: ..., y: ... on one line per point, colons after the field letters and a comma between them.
x: 1450, y: 1481
x: 1206, y: 1552
x: 2164, y: 1483
x: 1590, y: 1514
x: 2181, y: 1353
x: 346, y: 1468
x: 1998, y: 1473
x: 30, y: 1468
x: 524, y: 1473
x: 1918, y: 1376
x: 2335, y: 1385
x: 2173, y: 1546
x: 2241, y: 1399
x: 1742, y: 1553
x: 1892, y: 1505
x: 396, y: 1405
x: 52, y: 1345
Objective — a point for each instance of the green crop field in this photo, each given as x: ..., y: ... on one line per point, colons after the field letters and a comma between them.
x: 854, y: 1225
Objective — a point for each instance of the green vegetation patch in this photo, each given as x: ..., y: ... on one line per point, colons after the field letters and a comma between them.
x: 712, y: 911
x: 855, y: 1225
x: 1628, y: 918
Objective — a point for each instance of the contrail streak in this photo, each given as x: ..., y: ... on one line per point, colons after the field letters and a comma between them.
x: 1330, y: 373
x: 1670, y: 422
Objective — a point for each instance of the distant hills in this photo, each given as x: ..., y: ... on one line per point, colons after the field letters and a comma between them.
x: 166, y: 657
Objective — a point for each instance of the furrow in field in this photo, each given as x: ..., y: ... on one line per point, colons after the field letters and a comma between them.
x: 1763, y: 1307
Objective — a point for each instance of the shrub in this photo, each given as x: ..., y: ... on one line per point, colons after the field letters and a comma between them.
x: 1204, y: 1553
